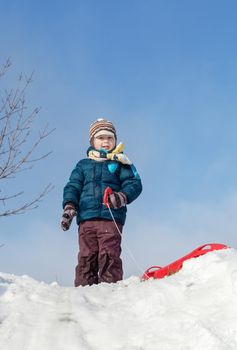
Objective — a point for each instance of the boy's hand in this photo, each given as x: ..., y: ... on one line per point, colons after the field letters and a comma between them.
x: 117, y: 200
x: 68, y: 215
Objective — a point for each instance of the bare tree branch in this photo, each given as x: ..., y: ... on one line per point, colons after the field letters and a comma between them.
x: 5, y: 67
x: 29, y: 205
x: 17, y: 141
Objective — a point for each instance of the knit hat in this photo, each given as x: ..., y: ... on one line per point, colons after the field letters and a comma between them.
x: 101, y: 127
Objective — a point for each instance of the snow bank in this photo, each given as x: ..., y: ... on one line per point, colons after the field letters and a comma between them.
x: 193, y: 309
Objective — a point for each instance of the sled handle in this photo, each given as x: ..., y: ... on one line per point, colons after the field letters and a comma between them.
x: 153, y: 267
x: 149, y: 273
x: 107, y: 192
x: 213, y: 246
x: 208, y: 248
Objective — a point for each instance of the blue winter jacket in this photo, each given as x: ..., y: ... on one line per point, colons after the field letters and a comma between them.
x: 88, y: 182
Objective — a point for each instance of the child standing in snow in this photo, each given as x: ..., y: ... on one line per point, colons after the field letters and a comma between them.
x: 99, y: 240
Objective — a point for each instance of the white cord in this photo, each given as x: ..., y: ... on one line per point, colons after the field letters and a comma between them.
x: 125, y: 244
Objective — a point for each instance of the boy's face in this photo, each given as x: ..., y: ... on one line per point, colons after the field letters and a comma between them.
x: 104, y: 141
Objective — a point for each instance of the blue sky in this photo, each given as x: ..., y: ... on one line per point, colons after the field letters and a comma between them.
x: 165, y: 73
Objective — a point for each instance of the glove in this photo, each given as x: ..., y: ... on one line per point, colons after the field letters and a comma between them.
x: 68, y: 215
x: 117, y: 200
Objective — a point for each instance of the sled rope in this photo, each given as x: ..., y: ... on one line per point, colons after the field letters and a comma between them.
x: 125, y: 244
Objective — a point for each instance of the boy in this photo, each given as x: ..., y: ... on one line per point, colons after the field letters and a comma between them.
x: 99, y: 240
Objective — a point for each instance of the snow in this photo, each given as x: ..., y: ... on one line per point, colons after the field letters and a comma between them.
x: 195, y: 308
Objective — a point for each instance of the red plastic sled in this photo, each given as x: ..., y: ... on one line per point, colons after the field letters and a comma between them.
x: 160, y: 272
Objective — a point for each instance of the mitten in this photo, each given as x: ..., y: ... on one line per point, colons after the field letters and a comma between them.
x: 68, y: 215
x: 117, y: 200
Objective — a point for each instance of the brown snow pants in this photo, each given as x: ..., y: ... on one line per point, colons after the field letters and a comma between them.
x: 99, y: 256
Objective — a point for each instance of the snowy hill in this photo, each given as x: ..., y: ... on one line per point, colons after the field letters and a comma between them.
x: 193, y: 309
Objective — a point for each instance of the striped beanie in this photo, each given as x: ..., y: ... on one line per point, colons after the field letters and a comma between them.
x: 101, y: 127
